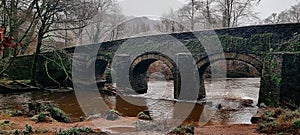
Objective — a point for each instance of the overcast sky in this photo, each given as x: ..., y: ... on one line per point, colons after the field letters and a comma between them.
x: 157, y: 7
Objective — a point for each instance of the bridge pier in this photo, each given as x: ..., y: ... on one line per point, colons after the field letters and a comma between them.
x: 188, y: 88
x: 202, y: 92
x: 121, y: 69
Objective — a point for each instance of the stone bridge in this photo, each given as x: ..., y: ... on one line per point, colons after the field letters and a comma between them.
x: 252, y: 49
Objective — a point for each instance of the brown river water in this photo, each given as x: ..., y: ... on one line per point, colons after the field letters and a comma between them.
x: 159, y: 101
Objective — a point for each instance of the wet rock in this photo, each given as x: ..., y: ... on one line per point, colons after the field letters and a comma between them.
x: 31, y: 113
x: 259, y: 116
x: 6, y: 121
x: 81, y: 118
x: 262, y: 105
x: 256, y: 118
x: 247, y: 103
x: 93, y: 116
x: 144, y: 115
x: 112, y: 115
x: 232, y: 104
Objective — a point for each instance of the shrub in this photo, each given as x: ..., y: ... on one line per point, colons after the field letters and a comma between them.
x: 28, y: 130
x: 296, y: 124
x: 280, y: 121
x: 41, y: 117
x: 59, y: 115
x: 75, y: 131
x: 184, y: 129
x: 39, y: 109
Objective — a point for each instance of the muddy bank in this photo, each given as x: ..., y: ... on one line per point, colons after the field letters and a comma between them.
x: 105, y: 127
x: 237, y: 129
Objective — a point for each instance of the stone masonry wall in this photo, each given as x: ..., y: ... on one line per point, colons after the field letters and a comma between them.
x: 270, y: 84
x: 290, y: 83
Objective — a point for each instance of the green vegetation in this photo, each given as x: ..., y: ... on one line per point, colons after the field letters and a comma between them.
x: 184, y: 129
x: 276, y: 79
x: 42, y: 117
x: 58, y: 114
x: 6, y: 125
x: 13, y: 113
x: 27, y: 131
x: 280, y: 121
x: 43, y: 110
x: 144, y: 116
x: 292, y: 45
x: 257, y: 43
x: 114, y: 111
x: 75, y: 131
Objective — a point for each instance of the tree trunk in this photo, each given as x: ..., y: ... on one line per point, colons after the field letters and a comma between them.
x: 35, y: 58
x: 193, y: 15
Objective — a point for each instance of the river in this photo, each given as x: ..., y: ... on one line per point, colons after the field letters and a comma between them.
x: 159, y: 101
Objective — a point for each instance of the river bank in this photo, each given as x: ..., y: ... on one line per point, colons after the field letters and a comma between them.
x: 231, y: 114
x: 51, y: 128
x: 17, y: 120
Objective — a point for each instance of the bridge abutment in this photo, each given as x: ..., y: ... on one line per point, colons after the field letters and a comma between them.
x: 270, y: 87
x: 290, y: 82
x: 280, y: 79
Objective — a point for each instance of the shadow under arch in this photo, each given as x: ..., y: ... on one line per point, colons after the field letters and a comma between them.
x: 139, y: 67
x: 250, y: 59
x: 100, y: 63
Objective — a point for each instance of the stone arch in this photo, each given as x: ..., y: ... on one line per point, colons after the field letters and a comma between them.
x: 139, y: 66
x: 250, y: 59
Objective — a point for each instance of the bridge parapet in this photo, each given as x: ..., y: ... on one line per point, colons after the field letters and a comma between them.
x: 248, y: 39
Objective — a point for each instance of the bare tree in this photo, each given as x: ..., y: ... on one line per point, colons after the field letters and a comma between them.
x: 273, y: 18
x: 169, y: 22
x: 50, y: 17
x: 117, y: 26
x: 17, y: 18
x: 190, y: 12
x: 105, y: 21
x: 232, y: 12
x: 206, y: 14
x: 18, y: 23
x: 295, y: 13
x: 287, y: 16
